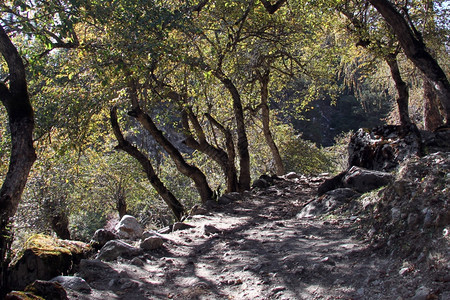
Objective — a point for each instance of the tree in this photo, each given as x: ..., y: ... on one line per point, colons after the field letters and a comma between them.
x: 168, y: 197
x: 16, y: 100
x: 415, y: 49
x: 381, y: 43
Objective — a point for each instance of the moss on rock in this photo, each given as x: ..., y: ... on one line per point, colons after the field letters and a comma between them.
x: 44, y: 257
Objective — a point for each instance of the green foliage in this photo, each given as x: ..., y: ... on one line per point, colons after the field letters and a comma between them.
x: 338, y: 153
x: 304, y: 157
x: 84, y: 224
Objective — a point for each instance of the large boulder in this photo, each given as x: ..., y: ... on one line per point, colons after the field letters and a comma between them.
x: 101, y: 237
x: 358, y: 179
x: 44, y: 257
x: 115, y: 248
x: 129, y: 228
x: 363, y: 180
x: 383, y: 148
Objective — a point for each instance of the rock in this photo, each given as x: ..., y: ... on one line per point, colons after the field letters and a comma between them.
x: 151, y: 243
x: 363, y: 180
x: 47, y: 290
x: 414, y: 210
x: 45, y: 257
x: 198, y: 210
x: 92, y: 269
x: 210, y: 229
x: 229, y: 198
x: 291, y: 175
x: 101, y: 237
x: 395, y: 214
x: 421, y: 293
x: 331, y: 184
x: 165, y: 230
x: 260, y: 183
x: 328, y: 202
x: 413, y: 219
x: 73, y: 282
x: 404, y: 271
x: 129, y: 228
x: 181, y: 226
x: 152, y: 233
x: 359, y: 179
x: 115, y: 248
x: 383, y: 148
x: 136, y: 261
x: 436, y: 141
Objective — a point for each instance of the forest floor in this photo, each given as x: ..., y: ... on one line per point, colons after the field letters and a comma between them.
x: 257, y: 248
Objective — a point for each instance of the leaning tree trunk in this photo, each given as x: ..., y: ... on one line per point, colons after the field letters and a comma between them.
x: 242, y: 145
x: 416, y: 51
x: 402, y: 90
x: 265, y: 113
x: 215, y: 153
x: 166, y: 195
x: 21, y: 125
x: 186, y: 169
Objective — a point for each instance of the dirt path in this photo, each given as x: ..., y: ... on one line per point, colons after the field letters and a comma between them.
x: 257, y: 248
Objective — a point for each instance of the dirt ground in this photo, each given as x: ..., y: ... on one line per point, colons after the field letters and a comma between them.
x: 257, y: 248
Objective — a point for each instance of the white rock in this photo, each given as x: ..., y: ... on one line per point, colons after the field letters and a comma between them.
x: 129, y: 228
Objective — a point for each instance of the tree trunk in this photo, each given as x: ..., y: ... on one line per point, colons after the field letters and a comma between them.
x: 21, y: 124
x: 60, y: 225
x: 244, y: 164
x: 168, y: 197
x: 265, y: 113
x: 432, y: 117
x: 402, y: 90
x: 57, y: 217
x: 231, y: 153
x: 121, y: 202
x: 216, y: 154
x: 416, y: 51
x: 186, y: 169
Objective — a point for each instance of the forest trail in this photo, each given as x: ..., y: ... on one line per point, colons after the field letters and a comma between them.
x: 257, y: 248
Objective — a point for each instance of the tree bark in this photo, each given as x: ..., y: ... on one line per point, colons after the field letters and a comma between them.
x: 176, y: 207
x: 272, y: 8
x: 265, y: 114
x: 244, y: 163
x: 216, y: 154
x: 21, y: 124
x: 416, y: 51
x: 432, y: 117
x: 231, y: 153
x: 121, y: 201
x: 402, y: 90
x: 186, y: 169
x: 60, y: 225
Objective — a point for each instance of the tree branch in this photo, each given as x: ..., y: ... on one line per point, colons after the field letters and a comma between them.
x: 272, y: 8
